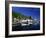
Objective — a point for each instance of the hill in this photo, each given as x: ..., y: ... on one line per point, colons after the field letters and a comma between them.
x: 19, y: 15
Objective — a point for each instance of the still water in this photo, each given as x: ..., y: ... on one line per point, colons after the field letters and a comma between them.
x: 27, y: 27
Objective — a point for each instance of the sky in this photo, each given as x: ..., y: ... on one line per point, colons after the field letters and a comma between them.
x: 28, y: 11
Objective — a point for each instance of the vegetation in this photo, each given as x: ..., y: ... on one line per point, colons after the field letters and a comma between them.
x: 19, y: 15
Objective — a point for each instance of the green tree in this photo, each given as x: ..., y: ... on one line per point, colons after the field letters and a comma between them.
x: 30, y: 17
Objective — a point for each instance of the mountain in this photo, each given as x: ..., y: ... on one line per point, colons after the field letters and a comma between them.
x: 19, y: 15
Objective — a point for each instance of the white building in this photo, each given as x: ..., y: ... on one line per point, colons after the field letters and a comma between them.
x: 26, y: 22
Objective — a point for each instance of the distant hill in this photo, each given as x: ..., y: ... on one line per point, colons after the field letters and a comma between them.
x: 19, y: 15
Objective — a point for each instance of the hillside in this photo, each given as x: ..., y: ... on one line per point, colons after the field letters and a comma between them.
x: 18, y: 15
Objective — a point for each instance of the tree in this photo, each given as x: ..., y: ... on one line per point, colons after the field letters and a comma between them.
x: 30, y: 17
